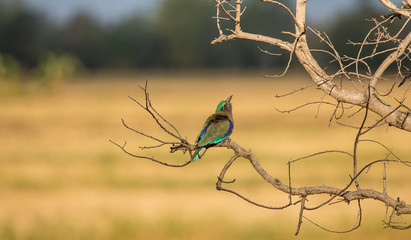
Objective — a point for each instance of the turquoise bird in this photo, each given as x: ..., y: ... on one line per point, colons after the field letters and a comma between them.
x: 217, y: 128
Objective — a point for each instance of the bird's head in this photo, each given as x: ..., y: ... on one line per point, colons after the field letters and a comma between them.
x: 225, y: 105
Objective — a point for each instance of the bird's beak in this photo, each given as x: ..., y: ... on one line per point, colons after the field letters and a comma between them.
x: 229, y: 98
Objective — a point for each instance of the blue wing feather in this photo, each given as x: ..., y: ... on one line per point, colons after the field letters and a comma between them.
x: 203, y: 132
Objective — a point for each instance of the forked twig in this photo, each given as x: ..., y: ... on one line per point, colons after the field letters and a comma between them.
x: 179, y: 144
x: 122, y: 147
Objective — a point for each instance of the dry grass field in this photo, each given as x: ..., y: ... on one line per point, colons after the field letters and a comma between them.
x: 61, y: 178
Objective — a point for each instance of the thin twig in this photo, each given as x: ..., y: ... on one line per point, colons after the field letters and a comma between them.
x: 149, y: 158
x: 300, y: 215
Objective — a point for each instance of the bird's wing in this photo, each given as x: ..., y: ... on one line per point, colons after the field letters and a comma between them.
x: 214, y: 131
x: 210, y: 120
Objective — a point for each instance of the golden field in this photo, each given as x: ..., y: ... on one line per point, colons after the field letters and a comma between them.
x: 61, y: 178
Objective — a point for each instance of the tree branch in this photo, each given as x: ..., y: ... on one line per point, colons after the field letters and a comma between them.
x: 400, y: 207
x: 398, y: 118
x: 402, y: 11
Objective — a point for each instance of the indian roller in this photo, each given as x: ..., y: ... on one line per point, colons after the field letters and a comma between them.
x: 217, y: 128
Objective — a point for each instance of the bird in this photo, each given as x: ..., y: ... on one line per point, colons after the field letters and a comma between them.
x: 216, y: 128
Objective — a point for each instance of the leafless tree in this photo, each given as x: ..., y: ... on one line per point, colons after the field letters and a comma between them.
x: 354, y: 87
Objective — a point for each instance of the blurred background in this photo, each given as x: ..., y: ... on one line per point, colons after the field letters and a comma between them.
x: 168, y: 34
x: 66, y: 69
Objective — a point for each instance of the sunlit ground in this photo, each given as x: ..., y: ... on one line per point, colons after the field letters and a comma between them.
x: 61, y: 178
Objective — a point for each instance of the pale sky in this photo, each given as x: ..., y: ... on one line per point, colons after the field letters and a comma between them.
x: 110, y: 11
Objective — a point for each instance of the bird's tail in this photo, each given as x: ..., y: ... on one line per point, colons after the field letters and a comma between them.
x: 196, y: 154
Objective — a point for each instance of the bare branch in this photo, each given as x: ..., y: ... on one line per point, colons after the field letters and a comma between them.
x: 149, y: 158
x: 405, y: 11
x: 284, y: 7
x: 307, y: 104
x: 357, y: 225
x: 314, y: 190
x: 155, y: 115
x: 397, y: 119
x: 300, y: 215
x: 390, y: 59
x: 294, y: 91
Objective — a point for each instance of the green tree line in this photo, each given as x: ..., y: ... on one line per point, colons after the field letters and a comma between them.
x: 176, y: 35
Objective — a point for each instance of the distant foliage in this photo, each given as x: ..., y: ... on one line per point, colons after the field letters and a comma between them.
x: 10, y: 79
x: 176, y: 35
x: 54, y: 70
